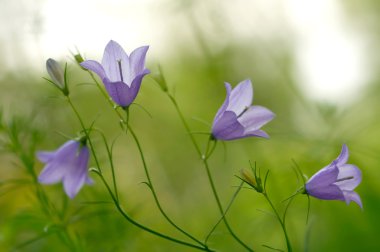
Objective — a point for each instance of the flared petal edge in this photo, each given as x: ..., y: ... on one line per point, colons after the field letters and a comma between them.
x: 352, y: 196
x: 241, y: 97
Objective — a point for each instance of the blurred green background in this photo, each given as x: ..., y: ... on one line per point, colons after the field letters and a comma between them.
x: 199, y: 44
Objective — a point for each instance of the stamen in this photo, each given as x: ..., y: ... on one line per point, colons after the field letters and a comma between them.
x: 121, y: 72
x: 343, y: 179
x: 245, y: 109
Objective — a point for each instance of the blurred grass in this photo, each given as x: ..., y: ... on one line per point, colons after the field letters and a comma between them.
x: 309, y: 132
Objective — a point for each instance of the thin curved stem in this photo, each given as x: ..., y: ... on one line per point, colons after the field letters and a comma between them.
x: 109, y: 153
x: 221, y: 207
x: 179, y: 112
x: 225, y: 212
x: 115, y: 199
x: 282, y: 223
x: 154, y: 192
x: 137, y: 224
x: 204, y: 158
x: 150, y: 184
x: 85, y: 131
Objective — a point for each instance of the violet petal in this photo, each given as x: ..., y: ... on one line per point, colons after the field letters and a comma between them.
x: 241, y: 97
x: 322, y: 178
x: 51, y: 174
x: 256, y: 133
x: 118, y: 91
x: 68, y: 163
x: 228, y: 127
x: 77, y: 173
x: 135, y: 86
x: 352, y: 177
x: 73, y: 183
x: 137, y: 61
x: 45, y: 156
x: 255, y: 117
x: 352, y: 196
x: 343, y: 156
x: 330, y: 192
x: 223, y: 108
x: 94, y: 66
x: 116, y: 63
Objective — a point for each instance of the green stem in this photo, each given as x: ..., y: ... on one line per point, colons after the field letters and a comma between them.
x: 109, y: 153
x: 227, y: 209
x: 154, y: 191
x: 128, y: 218
x: 204, y: 158
x: 282, y: 223
x: 150, y: 184
x: 46, y: 205
x: 85, y: 131
x: 183, y: 120
x: 221, y: 208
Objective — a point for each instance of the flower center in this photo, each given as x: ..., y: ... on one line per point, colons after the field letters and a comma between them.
x: 345, y: 178
x: 120, y: 71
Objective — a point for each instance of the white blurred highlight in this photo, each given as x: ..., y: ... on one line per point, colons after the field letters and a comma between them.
x: 330, y: 55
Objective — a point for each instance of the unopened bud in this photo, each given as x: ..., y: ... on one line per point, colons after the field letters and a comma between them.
x: 56, y: 73
x: 248, y: 177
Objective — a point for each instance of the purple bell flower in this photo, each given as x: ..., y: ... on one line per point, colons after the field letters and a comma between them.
x: 121, y: 74
x: 237, y: 118
x: 336, y: 181
x: 68, y: 163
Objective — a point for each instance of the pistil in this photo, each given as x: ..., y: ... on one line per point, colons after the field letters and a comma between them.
x: 121, y: 72
x: 345, y: 178
x: 245, y: 109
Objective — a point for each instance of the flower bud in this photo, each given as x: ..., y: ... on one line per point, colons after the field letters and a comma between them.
x: 248, y: 177
x: 253, y: 179
x: 57, y: 74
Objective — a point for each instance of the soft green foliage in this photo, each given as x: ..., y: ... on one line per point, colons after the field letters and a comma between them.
x: 177, y: 173
x: 34, y: 116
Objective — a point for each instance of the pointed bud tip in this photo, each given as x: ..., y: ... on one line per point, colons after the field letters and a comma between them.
x: 55, y: 72
x: 57, y: 75
x: 248, y: 177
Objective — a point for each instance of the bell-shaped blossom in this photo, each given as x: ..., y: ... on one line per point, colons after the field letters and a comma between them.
x: 69, y: 164
x: 336, y: 181
x: 237, y: 118
x: 121, y: 74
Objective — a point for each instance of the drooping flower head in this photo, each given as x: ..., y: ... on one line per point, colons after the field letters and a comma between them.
x: 336, y: 181
x: 68, y: 164
x: 237, y: 118
x: 121, y: 74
